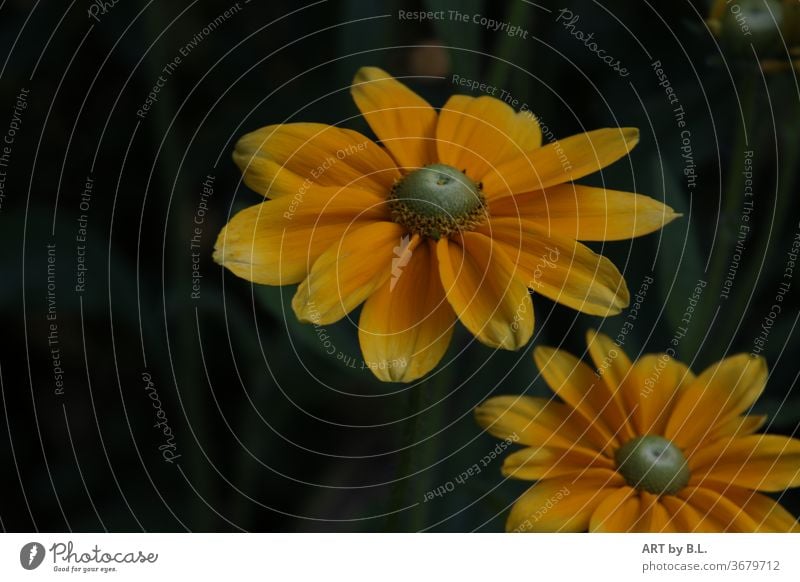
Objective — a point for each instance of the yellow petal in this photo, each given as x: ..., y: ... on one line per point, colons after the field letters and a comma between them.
x: 619, y: 512
x: 533, y: 421
x: 482, y: 285
x: 562, y: 504
x: 656, y: 518
x: 560, y: 268
x: 561, y: 161
x: 766, y: 512
x: 403, y: 121
x: 534, y: 463
x: 761, y: 462
x: 276, y: 242
x: 284, y: 160
x: 722, y: 392
x: 577, y: 385
x: 614, y: 367
x: 718, y: 510
x: 685, y: 518
x: 406, y: 325
x: 347, y: 273
x: 653, y: 385
x: 628, y: 510
x: 586, y: 213
x: 739, y: 426
x: 478, y: 133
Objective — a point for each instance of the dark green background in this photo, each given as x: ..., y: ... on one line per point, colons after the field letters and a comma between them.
x: 264, y: 444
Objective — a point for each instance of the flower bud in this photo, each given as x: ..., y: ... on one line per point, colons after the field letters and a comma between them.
x: 740, y: 24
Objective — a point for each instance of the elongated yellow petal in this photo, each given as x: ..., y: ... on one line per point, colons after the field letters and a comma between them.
x: 534, y: 422
x: 406, y: 325
x: 761, y: 462
x: 276, y: 242
x: 535, y: 463
x: 651, y: 389
x: 656, y: 517
x: 477, y: 134
x: 766, y: 512
x: 722, y: 392
x: 586, y: 213
x: 739, y: 426
x: 288, y: 159
x: 561, y: 161
x: 347, y: 273
x: 560, y: 268
x: 482, y: 285
x: 687, y: 519
x: 403, y: 121
x: 718, y: 510
x: 614, y: 367
x: 562, y: 504
x: 619, y: 512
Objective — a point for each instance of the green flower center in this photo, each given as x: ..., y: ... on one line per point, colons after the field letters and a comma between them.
x: 653, y: 464
x: 437, y: 200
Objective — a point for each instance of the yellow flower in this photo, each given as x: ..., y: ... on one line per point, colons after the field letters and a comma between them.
x: 770, y: 28
x: 455, y: 215
x: 644, y: 446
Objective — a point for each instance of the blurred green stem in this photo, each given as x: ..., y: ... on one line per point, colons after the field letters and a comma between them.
x: 421, y: 452
x: 504, y: 51
x: 788, y: 157
x: 412, y: 422
x: 732, y: 197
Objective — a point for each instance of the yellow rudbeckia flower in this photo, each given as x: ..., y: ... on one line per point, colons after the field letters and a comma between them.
x: 455, y: 215
x: 770, y: 28
x: 645, y: 446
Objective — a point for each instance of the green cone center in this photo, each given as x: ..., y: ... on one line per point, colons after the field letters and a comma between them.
x: 653, y: 464
x: 437, y: 200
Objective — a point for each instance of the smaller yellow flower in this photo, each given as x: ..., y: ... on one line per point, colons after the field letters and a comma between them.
x: 644, y: 446
x: 770, y: 27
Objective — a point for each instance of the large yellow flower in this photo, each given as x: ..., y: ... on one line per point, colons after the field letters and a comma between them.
x: 645, y: 446
x: 455, y: 215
